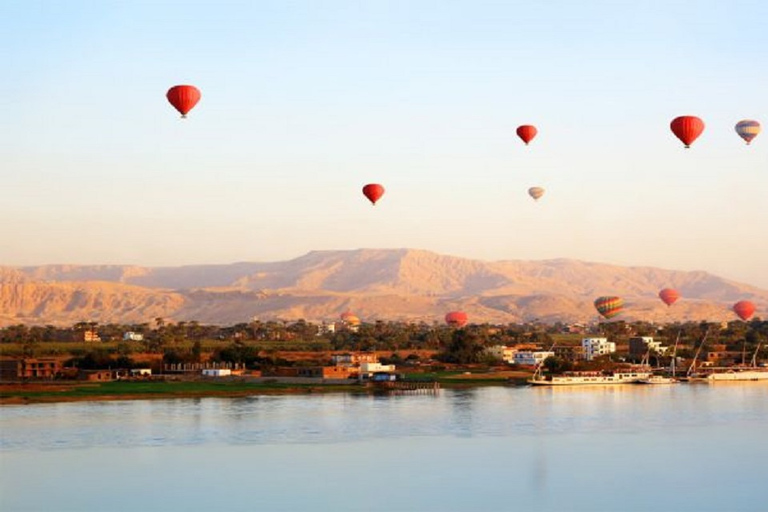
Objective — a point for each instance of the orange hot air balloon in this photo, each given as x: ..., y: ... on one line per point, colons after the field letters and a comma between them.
x: 350, y: 318
x: 373, y: 191
x: 456, y: 318
x: 536, y: 192
x: 609, y: 306
x: 687, y: 129
x: 527, y: 132
x: 669, y: 296
x: 183, y: 98
x: 745, y: 309
x: 748, y: 129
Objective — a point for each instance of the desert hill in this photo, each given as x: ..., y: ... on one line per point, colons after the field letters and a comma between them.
x: 386, y: 284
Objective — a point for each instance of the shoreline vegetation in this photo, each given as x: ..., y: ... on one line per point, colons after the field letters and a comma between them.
x: 40, y: 392
x: 92, y: 362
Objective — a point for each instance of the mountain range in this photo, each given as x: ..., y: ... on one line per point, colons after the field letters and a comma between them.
x: 376, y: 284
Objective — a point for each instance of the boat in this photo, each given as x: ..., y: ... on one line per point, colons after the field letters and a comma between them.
x: 589, y: 378
x: 736, y: 374
x: 658, y: 379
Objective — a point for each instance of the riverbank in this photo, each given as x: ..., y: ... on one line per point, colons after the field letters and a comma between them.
x: 31, y: 392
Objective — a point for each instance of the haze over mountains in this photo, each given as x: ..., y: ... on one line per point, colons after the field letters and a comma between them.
x: 377, y: 284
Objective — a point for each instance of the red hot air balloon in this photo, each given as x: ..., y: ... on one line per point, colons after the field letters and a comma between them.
x: 609, y: 306
x: 456, y: 318
x: 183, y: 98
x: 669, y: 296
x: 373, y: 191
x: 687, y: 129
x: 527, y: 132
x: 745, y: 309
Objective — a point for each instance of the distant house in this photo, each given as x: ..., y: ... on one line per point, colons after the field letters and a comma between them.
x: 313, y: 372
x: 594, y: 347
x: 354, y: 359
x: 141, y: 372
x: 368, y: 369
x: 29, y: 368
x: 725, y: 357
x: 640, y: 345
x: 325, y: 372
x: 98, y: 375
x: 133, y: 336
x: 91, y: 335
x: 502, y: 352
x: 531, y: 358
x: 217, y: 372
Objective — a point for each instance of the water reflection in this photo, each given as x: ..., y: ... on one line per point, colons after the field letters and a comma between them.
x: 476, y: 449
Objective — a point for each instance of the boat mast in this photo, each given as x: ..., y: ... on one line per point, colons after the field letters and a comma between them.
x: 674, y: 352
x: 537, y: 372
x: 754, y: 356
x: 696, y: 355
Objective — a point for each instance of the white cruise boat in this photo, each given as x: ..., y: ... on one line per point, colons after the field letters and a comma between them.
x: 750, y: 374
x: 590, y: 378
x: 658, y: 379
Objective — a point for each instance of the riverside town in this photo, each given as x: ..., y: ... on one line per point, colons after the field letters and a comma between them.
x: 88, y: 361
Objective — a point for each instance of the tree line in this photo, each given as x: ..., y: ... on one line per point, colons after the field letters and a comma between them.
x: 246, y: 342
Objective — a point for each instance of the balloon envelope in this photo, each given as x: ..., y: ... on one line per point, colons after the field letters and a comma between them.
x: 350, y: 318
x: 527, y: 132
x: 669, y: 296
x: 183, y: 98
x: 745, y: 309
x: 748, y: 129
x: 687, y: 129
x: 456, y: 318
x: 536, y: 192
x: 373, y: 191
x: 609, y: 306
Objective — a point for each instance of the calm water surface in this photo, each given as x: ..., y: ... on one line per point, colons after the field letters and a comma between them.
x: 694, y: 447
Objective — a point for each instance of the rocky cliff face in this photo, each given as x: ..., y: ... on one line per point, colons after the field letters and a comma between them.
x: 36, y: 303
x: 397, y: 284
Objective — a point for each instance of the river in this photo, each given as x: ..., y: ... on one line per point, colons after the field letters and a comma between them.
x: 685, y: 447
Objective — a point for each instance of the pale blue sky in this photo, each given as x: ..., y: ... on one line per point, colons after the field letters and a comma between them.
x: 304, y: 102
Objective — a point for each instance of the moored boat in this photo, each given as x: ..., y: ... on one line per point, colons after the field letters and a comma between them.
x: 589, y: 378
x: 733, y: 375
x: 658, y: 379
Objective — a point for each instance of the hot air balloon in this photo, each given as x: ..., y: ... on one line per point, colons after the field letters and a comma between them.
x: 373, y: 191
x: 669, y: 296
x: 609, y: 306
x: 527, y: 132
x: 687, y: 129
x: 536, y: 192
x: 748, y: 129
x: 350, y: 318
x: 456, y: 318
x: 745, y: 309
x: 183, y: 98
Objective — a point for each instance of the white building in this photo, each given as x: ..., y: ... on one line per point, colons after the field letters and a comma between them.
x: 506, y: 354
x: 217, y: 372
x: 326, y: 329
x: 594, y: 347
x: 532, y: 358
x: 354, y: 359
x: 141, y: 372
x: 133, y: 336
x: 639, y: 345
x: 368, y: 369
